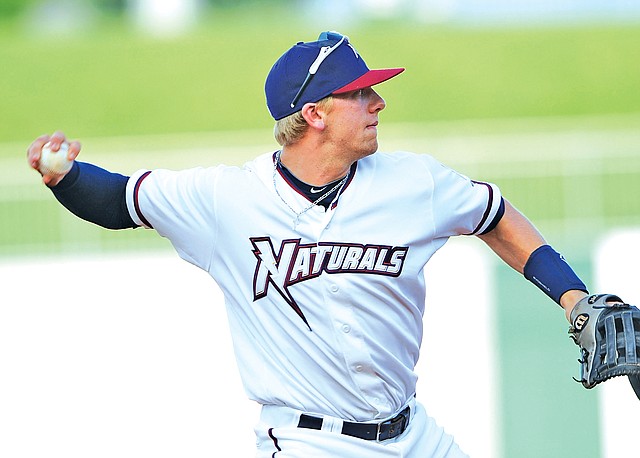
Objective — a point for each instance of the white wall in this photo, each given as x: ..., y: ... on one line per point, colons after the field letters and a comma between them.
x: 131, y: 357
x: 616, y: 269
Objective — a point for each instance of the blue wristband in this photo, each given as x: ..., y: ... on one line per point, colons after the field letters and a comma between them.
x: 548, y: 270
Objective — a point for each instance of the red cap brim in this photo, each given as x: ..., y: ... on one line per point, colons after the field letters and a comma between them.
x: 370, y: 78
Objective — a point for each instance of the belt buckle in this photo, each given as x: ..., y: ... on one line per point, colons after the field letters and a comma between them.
x: 393, y: 427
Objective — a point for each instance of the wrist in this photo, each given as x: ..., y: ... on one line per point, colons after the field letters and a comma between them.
x: 56, y: 181
x: 569, y: 300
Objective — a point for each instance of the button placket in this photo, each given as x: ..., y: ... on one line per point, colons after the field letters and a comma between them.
x: 356, y: 356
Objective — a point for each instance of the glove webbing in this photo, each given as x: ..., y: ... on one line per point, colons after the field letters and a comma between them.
x: 621, y: 344
x: 627, y: 323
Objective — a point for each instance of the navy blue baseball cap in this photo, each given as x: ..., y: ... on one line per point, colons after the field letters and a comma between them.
x: 311, y: 71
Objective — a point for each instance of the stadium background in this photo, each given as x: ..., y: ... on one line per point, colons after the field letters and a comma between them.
x: 542, y: 101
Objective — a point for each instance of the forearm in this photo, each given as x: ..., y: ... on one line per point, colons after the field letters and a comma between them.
x: 523, y: 248
x: 514, y: 238
x: 95, y: 195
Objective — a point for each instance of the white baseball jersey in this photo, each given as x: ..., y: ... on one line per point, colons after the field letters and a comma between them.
x: 326, y: 312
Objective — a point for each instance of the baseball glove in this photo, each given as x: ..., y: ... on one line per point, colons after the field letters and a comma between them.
x: 608, y: 333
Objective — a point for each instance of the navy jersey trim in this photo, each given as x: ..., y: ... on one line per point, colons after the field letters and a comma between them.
x: 275, y: 442
x: 352, y: 174
x: 496, y: 219
x: 487, y: 210
x: 292, y: 181
x: 136, y: 201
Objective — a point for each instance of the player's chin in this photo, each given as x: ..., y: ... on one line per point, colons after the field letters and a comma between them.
x: 367, y: 144
x: 371, y: 133
x: 371, y: 148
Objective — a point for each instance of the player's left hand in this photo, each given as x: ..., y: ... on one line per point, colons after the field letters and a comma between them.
x: 608, y: 333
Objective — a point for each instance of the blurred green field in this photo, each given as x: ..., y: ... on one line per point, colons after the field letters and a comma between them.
x: 550, y: 114
x: 113, y: 81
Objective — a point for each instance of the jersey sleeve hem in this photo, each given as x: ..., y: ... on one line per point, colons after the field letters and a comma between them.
x: 492, y: 213
x: 133, y: 199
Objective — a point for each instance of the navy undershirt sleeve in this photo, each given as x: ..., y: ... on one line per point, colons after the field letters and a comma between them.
x: 95, y: 195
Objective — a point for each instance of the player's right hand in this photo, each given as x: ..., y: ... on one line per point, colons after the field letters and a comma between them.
x: 35, y: 150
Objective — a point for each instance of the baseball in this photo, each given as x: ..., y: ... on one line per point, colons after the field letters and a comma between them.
x: 54, y: 162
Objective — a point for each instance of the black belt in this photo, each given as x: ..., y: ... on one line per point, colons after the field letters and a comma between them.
x: 367, y: 431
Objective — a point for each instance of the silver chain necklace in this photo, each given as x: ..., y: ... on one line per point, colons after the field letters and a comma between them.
x: 296, y: 220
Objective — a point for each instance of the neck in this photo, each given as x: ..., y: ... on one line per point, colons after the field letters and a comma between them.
x: 312, y: 166
x: 323, y: 195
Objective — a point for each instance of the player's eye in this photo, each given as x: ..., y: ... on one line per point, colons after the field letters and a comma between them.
x: 359, y: 93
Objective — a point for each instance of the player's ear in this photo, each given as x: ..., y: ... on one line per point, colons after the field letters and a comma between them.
x: 314, y: 116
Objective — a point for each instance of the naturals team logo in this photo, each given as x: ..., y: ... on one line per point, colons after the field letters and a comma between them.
x: 294, y: 262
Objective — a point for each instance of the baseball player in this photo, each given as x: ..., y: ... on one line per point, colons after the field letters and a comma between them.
x: 319, y: 249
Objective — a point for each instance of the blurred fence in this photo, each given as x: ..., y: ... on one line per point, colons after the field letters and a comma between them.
x: 574, y: 177
x: 573, y: 180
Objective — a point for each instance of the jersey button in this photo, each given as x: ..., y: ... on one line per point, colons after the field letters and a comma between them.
x: 359, y: 368
x: 346, y: 328
x: 334, y: 288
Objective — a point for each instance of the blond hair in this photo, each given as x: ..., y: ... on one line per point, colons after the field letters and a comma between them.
x: 290, y: 129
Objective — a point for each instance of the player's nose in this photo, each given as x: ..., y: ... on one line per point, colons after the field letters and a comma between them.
x: 376, y: 103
